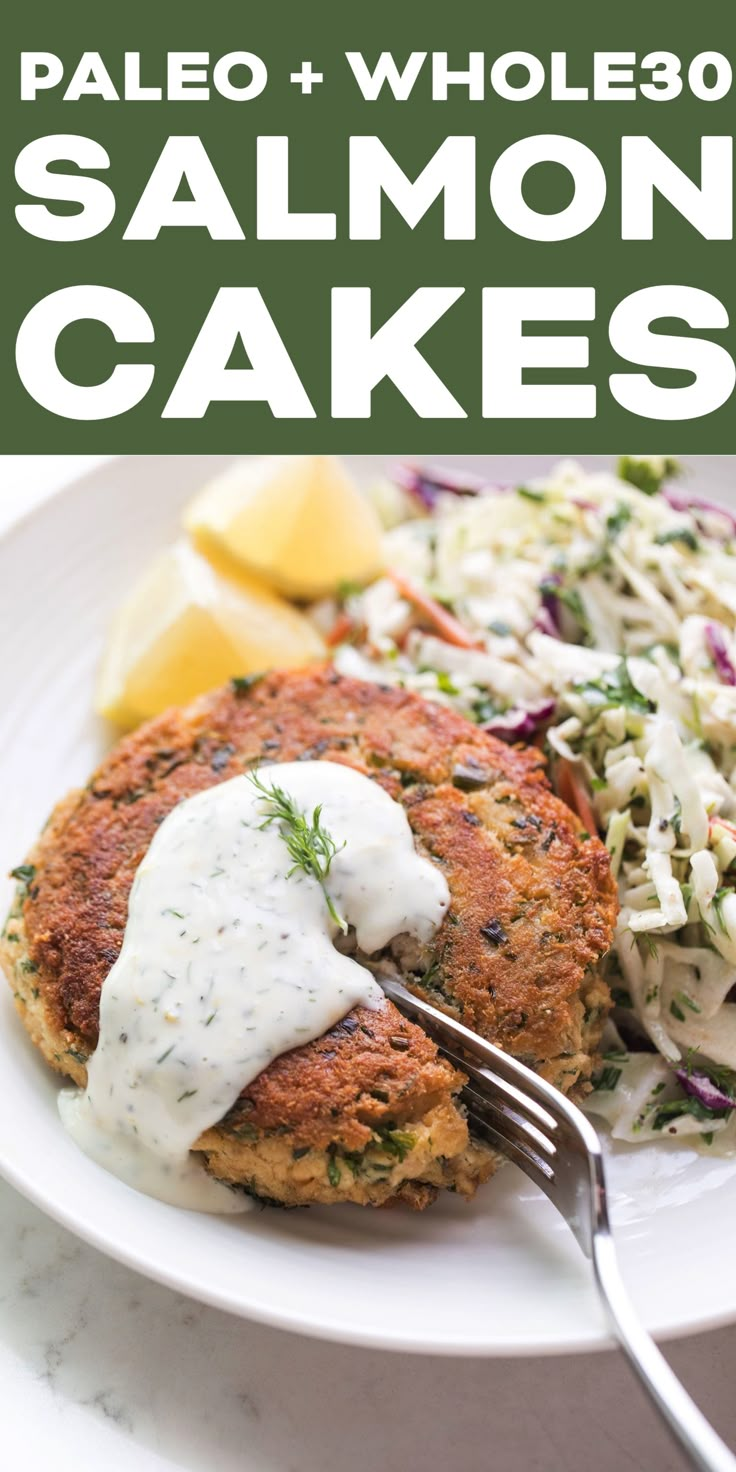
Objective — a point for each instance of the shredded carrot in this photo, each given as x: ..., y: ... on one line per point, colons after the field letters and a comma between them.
x: 723, y: 823
x: 341, y: 629
x: 571, y: 789
x: 448, y: 627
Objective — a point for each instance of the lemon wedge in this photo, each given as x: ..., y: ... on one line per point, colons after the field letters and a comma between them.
x: 297, y: 521
x: 189, y: 624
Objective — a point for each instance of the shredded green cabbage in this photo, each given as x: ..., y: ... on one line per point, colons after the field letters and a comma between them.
x: 603, y: 598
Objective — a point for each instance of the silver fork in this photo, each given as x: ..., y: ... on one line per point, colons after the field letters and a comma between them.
x: 534, y: 1125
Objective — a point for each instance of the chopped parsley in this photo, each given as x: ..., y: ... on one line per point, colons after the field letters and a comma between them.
x: 676, y: 1108
x: 429, y: 976
x: 25, y: 875
x: 678, y: 534
x: 613, y: 688
x: 680, y: 1000
x: 395, y: 1142
x: 607, y: 1078
x: 718, y: 899
x: 618, y: 519
x: 484, y: 709
x: 241, y: 683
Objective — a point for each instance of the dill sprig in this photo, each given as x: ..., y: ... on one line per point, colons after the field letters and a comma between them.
x: 310, y: 845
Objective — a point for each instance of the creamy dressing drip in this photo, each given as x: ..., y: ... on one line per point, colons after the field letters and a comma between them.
x: 228, y: 961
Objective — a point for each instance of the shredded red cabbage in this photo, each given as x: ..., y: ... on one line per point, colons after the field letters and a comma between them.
x: 683, y: 501
x: 520, y: 725
x: 715, y: 639
x: 546, y: 622
x: 426, y: 484
x: 703, y: 1088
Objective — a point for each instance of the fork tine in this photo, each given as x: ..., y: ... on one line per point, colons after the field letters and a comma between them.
x: 490, y: 1067
x: 538, y: 1171
x: 517, y: 1124
x: 452, y: 1034
x: 486, y: 1054
x: 490, y: 1083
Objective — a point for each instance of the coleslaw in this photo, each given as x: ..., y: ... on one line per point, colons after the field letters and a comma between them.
x: 596, y: 613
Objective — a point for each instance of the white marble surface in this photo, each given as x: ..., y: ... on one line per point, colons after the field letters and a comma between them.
x: 101, y: 1369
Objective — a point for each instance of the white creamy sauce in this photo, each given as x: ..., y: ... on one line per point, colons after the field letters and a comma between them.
x: 228, y: 961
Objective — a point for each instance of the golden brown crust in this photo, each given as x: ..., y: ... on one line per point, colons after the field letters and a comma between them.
x: 315, y: 1129
x: 374, y: 1068
x: 533, y: 903
x: 371, y: 1067
x: 532, y: 909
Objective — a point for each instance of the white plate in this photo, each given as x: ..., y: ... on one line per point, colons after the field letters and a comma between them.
x: 499, y: 1276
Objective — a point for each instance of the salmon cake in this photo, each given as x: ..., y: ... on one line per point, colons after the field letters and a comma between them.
x: 369, y: 1112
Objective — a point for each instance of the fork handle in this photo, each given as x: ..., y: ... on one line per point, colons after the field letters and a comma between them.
x: 687, y: 1424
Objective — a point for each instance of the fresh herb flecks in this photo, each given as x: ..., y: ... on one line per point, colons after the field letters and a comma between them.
x: 241, y: 684
x: 718, y: 898
x: 25, y: 875
x: 613, y: 688
x: 395, y: 1141
x: 675, y: 1108
x: 682, y: 534
x: 617, y: 520
x: 308, y: 844
x: 607, y: 1078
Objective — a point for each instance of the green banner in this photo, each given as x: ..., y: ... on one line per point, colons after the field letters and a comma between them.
x: 298, y: 226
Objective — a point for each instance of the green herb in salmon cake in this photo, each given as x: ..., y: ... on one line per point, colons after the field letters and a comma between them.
x: 203, y: 960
